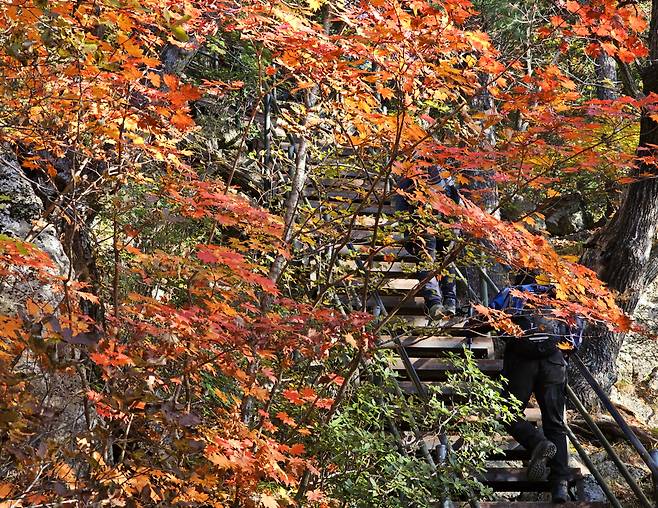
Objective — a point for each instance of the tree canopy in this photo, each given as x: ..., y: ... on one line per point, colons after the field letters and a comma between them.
x: 185, y: 349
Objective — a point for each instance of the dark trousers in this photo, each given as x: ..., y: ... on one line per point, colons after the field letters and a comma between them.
x: 425, y: 248
x: 546, y: 378
x: 434, y: 291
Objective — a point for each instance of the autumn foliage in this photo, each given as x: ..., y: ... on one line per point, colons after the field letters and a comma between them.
x: 200, y: 380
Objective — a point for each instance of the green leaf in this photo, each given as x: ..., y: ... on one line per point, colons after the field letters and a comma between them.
x: 179, y: 33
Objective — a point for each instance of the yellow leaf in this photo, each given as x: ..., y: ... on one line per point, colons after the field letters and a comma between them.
x: 219, y: 460
x: 268, y: 501
x: 315, y: 4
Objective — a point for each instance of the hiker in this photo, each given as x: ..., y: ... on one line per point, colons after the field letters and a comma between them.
x: 534, y: 363
x: 440, y: 295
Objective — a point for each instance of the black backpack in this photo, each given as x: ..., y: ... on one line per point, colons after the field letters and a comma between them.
x: 544, y: 334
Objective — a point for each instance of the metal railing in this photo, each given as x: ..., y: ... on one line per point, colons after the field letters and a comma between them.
x: 649, y: 458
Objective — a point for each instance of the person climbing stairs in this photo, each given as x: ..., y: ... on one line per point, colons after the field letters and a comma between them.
x: 387, y: 273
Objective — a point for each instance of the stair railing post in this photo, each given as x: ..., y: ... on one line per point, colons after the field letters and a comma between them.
x: 607, y: 403
x: 484, y: 288
x: 593, y: 469
x: 489, y: 280
x: 654, y: 476
x: 598, y: 434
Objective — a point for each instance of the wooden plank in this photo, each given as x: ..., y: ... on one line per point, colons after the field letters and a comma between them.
x: 509, y: 454
x: 415, y: 305
x: 412, y: 320
x: 385, y: 236
x: 349, y: 183
x: 507, y: 479
x: 398, y: 284
x: 435, y: 369
x: 540, y: 504
x: 341, y: 218
x: 390, y: 253
x: 533, y: 414
x: 427, y: 347
x: 365, y: 233
x: 385, y: 285
x: 358, y: 208
x: 389, y: 269
x: 355, y: 194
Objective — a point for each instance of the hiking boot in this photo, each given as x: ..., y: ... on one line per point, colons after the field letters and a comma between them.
x: 435, y: 311
x: 450, y: 307
x: 542, y: 453
x: 560, y: 492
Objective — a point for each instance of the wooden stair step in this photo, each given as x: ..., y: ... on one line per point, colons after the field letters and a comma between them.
x: 542, y: 504
x: 386, y: 285
x: 510, y: 449
x: 358, y: 208
x: 511, y: 479
x: 342, y: 218
x: 384, y: 237
x: 390, y: 253
x: 413, y: 306
x: 434, y: 369
x: 380, y: 253
x: 427, y: 347
x: 509, y: 454
x: 420, y: 320
x: 453, y: 327
x: 353, y: 181
x: 350, y: 194
x: 388, y: 269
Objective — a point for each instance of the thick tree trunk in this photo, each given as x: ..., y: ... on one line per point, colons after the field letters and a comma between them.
x: 620, y: 253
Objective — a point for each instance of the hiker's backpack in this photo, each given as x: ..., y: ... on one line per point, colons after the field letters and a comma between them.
x: 543, y: 334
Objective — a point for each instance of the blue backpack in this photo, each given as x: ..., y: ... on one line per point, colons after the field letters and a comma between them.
x: 543, y: 333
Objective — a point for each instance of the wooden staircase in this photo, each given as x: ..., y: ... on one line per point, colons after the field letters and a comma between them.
x: 390, y: 272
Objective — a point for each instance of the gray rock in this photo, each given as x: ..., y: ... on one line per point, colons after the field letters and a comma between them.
x: 592, y: 491
x: 60, y: 394
x: 609, y: 471
x: 20, y: 208
x: 566, y: 215
x: 19, y: 205
x: 637, y: 363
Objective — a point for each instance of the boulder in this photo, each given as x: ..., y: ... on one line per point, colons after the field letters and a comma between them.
x: 20, y: 211
x: 637, y: 363
x: 566, y: 214
x: 61, y: 406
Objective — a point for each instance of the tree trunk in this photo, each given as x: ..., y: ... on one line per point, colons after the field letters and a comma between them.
x: 606, y: 77
x: 620, y: 253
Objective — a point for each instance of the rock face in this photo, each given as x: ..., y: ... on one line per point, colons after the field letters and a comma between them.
x: 61, y: 400
x: 637, y: 387
x: 566, y: 215
x: 19, y: 208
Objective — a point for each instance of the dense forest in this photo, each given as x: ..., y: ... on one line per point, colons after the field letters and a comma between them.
x: 203, y: 285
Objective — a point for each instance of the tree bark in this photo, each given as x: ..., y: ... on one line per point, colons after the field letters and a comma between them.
x: 620, y: 253
x: 606, y: 77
